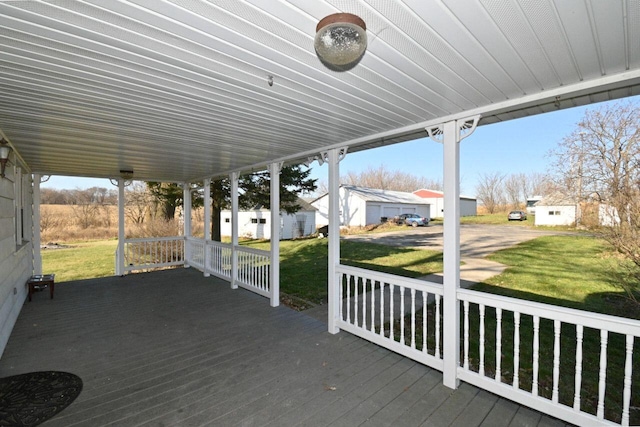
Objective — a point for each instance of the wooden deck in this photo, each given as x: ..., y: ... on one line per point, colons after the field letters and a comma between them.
x: 173, y: 348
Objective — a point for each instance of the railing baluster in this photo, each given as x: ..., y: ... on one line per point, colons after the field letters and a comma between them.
x: 424, y: 322
x: 350, y: 277
x: 465, y: 363
x: 382, y: 308
x: 628, y: 371
x: 536, y: 354
x: 373, y: 306
x: 516, y: 350
x: 391, y: 292
x: 364, y: 303
x: 341, y: 284
x: 578, y: 376
x: 355, y: 301
x: 481, y: 350
x: 498, y: 344
x: 437, y: 353
x: 402, y: 312
x: 556, y: 359
x: 413, y: 318
x: 604, y: 336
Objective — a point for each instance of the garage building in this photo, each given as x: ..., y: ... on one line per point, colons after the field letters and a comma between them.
x: 360, y: 206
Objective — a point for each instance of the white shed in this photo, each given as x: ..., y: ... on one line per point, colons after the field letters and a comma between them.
x: 360, y: 206
x: 256, y: 223
x: 556, y: 209
x: 468, y: 205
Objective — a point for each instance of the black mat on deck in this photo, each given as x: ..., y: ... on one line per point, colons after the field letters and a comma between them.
x: 30, y: 399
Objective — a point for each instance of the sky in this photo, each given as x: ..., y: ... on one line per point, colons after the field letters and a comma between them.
x: 514, y: 146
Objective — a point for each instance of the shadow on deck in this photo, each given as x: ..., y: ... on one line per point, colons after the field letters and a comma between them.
x: 175, y: 348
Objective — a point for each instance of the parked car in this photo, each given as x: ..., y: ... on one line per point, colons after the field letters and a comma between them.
x: 517, y: 216
x: 412, y: 219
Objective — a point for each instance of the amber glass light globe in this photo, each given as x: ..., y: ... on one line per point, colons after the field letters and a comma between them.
x: 341, y: 39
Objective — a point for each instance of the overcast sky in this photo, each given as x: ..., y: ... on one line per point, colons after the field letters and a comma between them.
x: 510, y: 147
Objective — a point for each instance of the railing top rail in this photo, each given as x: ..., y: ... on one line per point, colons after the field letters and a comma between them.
x: 252, y: 250
x: 422, y: 285
x: 153, y: 239
x: 219, y: 244
x: 569, y: 315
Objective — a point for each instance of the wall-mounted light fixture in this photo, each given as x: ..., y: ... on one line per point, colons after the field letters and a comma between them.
x: 341, y: 40
x: 5, y: 150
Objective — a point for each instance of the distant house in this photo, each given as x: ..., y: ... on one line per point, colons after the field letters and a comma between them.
x: 468, y: 205
x: 360, y: 206
x: 256, y: 223
x: 556, y: 209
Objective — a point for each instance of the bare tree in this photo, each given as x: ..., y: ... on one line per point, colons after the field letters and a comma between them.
x: 138, y: 202
x: 384, y: 179
x: 490, y: 191
x: 600, y: 161
x: 515, y: 189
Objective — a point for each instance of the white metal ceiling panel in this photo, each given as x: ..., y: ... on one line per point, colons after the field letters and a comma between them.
x: 177, y: 89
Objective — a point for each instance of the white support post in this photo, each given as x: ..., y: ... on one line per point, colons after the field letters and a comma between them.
x: 18, y: 204
x: 274, y: 270
x: 120, y: 252
x: 186, y: 217
x: 37, y: 253
x: 333, y: 157
x: 450, y: 135
x: 207, y: 224
x: 235, y: 176
x: 451, y: 278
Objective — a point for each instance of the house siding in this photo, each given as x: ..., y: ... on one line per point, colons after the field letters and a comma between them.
x: 16, y: 260
x: 289, y: 227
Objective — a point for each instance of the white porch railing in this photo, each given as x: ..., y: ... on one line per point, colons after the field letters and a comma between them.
x: 216, y: 258
x: 156, y: 252
x: 253, y: 270
x: 398, y: 313
x: 253, y: 265
x: 578, y: 336
x: 595, y: 370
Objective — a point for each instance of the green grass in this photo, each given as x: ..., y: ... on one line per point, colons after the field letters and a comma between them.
x: 303, y: 264
x: 84, y: 260
x: 496, y: 219
x: 574, y: 271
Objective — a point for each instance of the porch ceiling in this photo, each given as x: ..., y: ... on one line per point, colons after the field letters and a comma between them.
x: 176, y: 90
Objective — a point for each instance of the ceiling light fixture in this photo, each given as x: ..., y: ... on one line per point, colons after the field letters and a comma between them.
x: 127, y: 175
x: 341, y: 40
x: 5, y: 150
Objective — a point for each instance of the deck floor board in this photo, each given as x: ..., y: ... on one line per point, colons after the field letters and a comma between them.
x: 173, y: 348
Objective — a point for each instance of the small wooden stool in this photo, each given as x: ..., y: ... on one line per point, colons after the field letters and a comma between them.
x: 41, y: 281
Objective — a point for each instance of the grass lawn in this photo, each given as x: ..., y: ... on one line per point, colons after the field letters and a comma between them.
x: 574, y: 271
x: 83, y: 260
x: 303, y: 264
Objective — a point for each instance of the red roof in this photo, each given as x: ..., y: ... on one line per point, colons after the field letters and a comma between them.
x: 428, y: 194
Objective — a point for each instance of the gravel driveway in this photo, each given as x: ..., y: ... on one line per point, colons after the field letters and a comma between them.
x: 476, y: 240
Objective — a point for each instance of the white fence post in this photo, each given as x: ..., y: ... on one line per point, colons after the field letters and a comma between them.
x: 274, y: 270
x: 234, y: 229
x: 207, y: 225
x: 334, y: 157
x: 120, y: 252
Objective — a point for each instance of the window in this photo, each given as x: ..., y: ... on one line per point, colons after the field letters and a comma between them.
x: 258, y: 220
x: 227, y: 220
x: 552, y: 213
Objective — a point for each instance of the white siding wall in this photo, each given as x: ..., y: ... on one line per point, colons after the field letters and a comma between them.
x: 16, y: 261
x: 289, y: 226
x: 555, y: 215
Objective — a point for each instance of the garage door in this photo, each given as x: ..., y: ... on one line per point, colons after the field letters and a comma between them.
x: 373, y: 214
x: 390, y: 211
